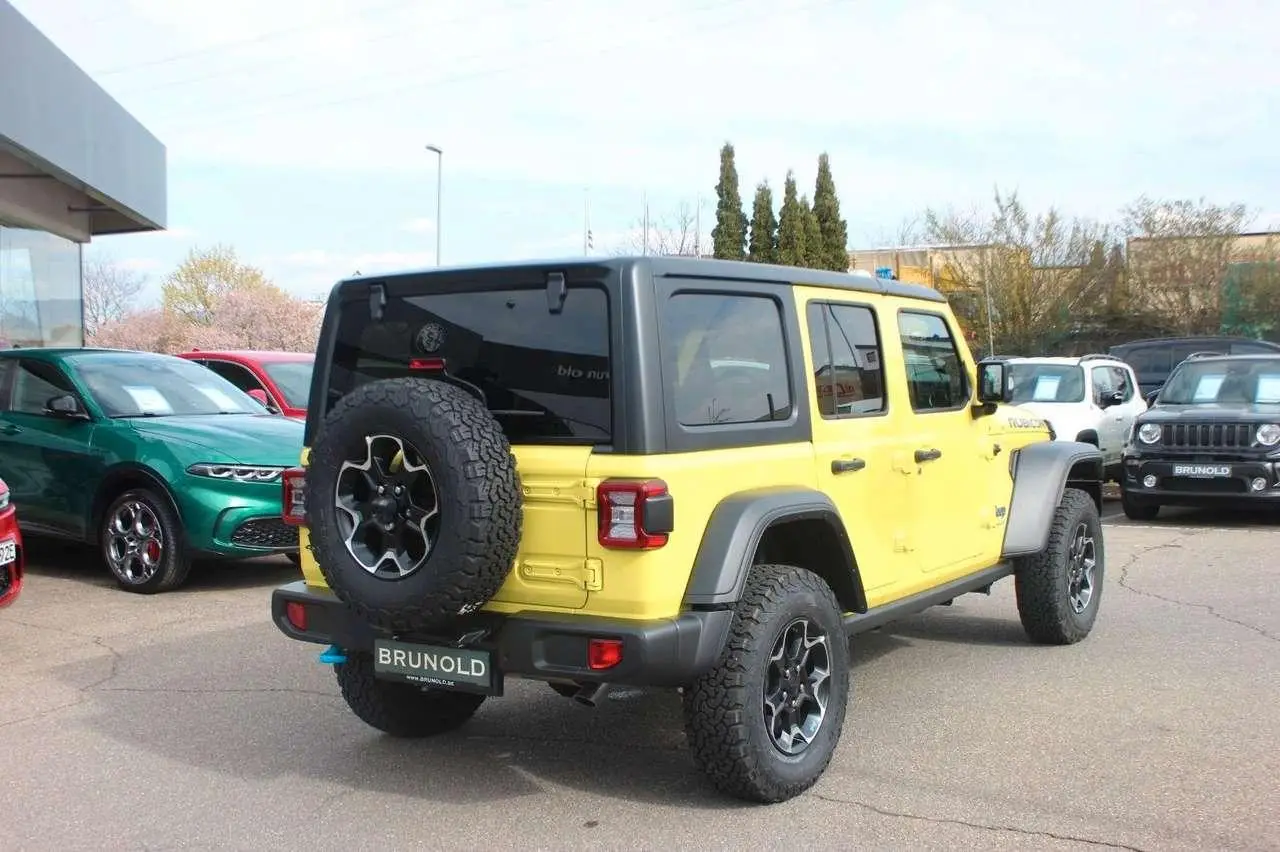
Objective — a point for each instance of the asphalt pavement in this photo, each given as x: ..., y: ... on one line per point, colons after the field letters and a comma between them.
x: 186, y: 721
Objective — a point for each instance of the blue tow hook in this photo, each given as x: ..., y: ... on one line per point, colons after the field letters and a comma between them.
x: 333, y: 655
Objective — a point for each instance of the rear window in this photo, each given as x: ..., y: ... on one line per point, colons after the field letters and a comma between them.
x: 545, y: 376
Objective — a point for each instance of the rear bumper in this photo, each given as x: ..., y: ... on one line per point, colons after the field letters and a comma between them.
x: 11, y: 572
x: 1183, y: 481
x: 665, y: 652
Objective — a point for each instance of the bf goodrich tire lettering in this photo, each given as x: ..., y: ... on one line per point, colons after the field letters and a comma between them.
x: 476, y: 482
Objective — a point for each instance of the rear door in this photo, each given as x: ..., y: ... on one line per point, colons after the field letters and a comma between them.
x: 546, y: 378
x: 855, y: 428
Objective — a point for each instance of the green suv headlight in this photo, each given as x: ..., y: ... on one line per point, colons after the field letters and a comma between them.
x: 1149, y: 433
x: 1269, y: 434
x: 236, y: 472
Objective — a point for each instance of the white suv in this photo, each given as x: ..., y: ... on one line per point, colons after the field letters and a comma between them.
x: 1092, y: 398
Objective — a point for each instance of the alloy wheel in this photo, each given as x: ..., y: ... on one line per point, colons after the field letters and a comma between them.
x: 135, y: 542
x: 1082, y: 562
x: 388, y: 507
x: 796, y: 688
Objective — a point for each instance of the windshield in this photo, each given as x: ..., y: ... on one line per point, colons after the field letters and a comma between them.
x: 1046, y: 383
x: 293, y: 378
x: 160, y: 387
x: 1240, y: 382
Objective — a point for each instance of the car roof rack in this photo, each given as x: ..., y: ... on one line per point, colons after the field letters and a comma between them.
x: 1097, y: 356
x: 1205, y: 354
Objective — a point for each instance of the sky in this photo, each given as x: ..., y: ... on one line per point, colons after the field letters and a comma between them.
x: 296, y: 132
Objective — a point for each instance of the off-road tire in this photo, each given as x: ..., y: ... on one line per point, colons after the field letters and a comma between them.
x: 1137, y: 509
x: 175, y: 562
x: 401, y: 709
x: 477, y: 485
x: 723, y: 710
x: 1041, y: 581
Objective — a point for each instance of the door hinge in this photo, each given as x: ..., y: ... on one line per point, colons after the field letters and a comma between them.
x: 580, y: 492
x: 585, y: 574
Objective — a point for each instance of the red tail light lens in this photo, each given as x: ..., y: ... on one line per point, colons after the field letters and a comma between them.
x: 432, y: 365
x: 294, y: 497
x: 635, y: 514
x: 604, y: 653
x: 297, y: 614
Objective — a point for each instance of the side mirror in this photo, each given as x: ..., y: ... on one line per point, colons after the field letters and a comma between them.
x: 1112, y: 398
x: 65, y: 405
x: 993, y: 384
x: 1151, y: 397
x: 261, y: 397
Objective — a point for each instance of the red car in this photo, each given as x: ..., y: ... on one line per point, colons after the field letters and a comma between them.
x: 11, y: 555
x: 279, y: 380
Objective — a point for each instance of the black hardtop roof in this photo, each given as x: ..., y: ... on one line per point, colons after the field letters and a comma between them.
x: 683, y: 267
x: 1206, y: 339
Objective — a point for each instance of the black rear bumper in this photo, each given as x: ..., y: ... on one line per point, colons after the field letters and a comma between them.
x: 664, y: 652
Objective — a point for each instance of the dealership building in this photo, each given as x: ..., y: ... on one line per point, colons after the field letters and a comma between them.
x: 74, y: 165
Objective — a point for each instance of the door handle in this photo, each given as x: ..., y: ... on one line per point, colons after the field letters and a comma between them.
x: 10, y: 429
x: 847, y: 465
x: 928, y: 455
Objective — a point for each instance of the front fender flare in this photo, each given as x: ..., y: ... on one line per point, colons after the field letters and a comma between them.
x: 1041, y: 472
x: 735, y: 530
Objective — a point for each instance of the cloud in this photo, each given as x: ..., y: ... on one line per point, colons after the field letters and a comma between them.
x: 420, y: 225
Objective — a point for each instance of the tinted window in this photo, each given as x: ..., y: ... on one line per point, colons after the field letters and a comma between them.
x: 293, y: 378
x: 1046, y: 382
x: 729, y: 356
x: 236, y: 374
x: 34, y: 384
x: 1150, y: 361
x: 846, y: 359
x: 545, y: 376
x: 936, y: 378
x: 1252, y: 349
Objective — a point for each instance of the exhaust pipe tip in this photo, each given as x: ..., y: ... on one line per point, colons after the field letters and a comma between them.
x: 591, y: 694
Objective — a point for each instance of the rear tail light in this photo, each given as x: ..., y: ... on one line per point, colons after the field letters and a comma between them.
x: 297, y: 615
x: 635, y: 514
x: 294, y: 497
x: 431, y: 365
x: 604, y: 653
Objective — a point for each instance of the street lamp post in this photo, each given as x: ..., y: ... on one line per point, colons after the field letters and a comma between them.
x: 439, y: 176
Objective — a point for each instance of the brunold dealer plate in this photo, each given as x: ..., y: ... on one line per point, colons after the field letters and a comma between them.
x: 1202, y: 470
x: 467, y: 669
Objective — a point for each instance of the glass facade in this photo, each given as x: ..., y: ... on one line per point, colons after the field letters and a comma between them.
x: 41, y: 292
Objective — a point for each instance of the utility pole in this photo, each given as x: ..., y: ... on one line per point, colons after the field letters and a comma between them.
x: 439, y: 180
x: 586, y: 221
x: 697, y: 228
x: 646, y: 222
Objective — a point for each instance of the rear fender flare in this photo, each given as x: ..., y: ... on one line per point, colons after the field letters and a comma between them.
x: 738, y: 525
x: 1041, y: 472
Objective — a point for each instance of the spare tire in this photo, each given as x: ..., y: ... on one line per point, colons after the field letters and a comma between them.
x: 413, y: 502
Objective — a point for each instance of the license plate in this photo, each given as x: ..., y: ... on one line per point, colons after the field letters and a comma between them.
x: 8, y: 551
x: 1202, y: 470
x: 466, y: 669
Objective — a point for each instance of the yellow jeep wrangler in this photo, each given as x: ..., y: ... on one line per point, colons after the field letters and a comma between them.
x: 668, y: 472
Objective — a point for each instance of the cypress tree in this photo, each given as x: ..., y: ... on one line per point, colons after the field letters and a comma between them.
x: 834, y: 253
x: 791, y: 251
x: 730, y: 233
x: 764, y: 227
x: 814, y: 251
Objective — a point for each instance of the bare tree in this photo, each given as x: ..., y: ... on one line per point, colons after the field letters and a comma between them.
x: 675, y: 233
x: 1024, y: 279
x: 1179, y: 255
x: 110, y: 291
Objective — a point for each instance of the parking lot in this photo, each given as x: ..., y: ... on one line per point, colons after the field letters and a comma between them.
x: 187, y: 721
